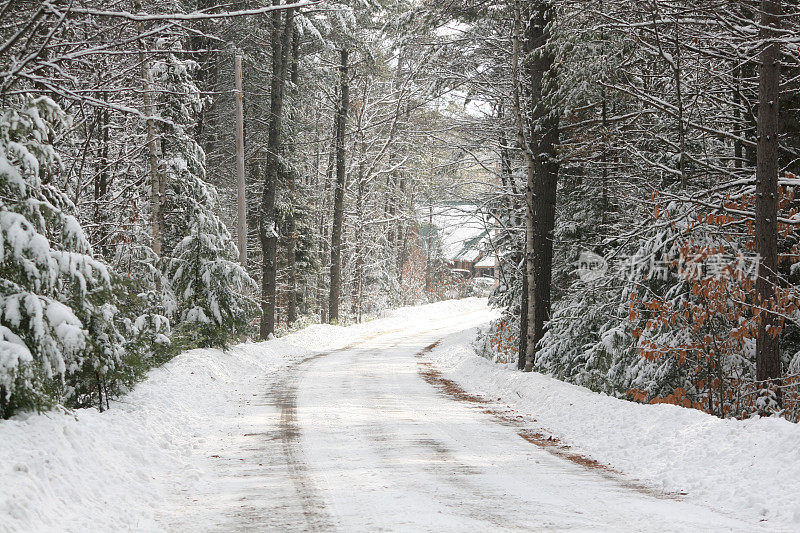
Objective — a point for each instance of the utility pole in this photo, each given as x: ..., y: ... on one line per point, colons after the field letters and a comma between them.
x: 158, y: 177
x: 241, y: 226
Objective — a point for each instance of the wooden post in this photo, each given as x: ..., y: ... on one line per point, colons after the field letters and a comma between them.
x: 241, y: 226
x: 156, y: 155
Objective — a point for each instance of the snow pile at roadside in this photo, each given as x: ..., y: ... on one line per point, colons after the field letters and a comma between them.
x: 750, y: 466
x: 328, y: 337
x: 108, y: 471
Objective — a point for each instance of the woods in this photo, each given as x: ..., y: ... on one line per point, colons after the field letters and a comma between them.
x: 182, y: 175
x: 156, y: 200
x: 657, y: 142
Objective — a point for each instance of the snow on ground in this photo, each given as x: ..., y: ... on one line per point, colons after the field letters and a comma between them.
x: 751, y: 467
x: 173, y: 454
x: 381, y: 449
x: 87, y: 470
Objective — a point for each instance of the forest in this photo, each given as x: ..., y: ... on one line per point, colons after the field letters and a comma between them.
x: 179, y: 174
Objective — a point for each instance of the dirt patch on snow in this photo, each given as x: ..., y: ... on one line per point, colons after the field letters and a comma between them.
x: 508, y: 417
x: 428, y: 348
x: 554, y: 446
x: 447, y: 386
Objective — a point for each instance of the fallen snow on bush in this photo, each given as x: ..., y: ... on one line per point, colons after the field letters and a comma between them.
x: 750, y: 466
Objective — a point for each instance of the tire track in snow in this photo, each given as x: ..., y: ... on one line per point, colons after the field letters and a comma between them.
x: 283, y: 395
x: 313, y: 506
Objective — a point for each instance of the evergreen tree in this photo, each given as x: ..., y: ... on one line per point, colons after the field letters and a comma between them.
x: 210, y: 289
x: 56, y: 319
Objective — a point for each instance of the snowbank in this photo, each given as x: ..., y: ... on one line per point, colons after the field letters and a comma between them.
x: 115, y: 470
x: 109, y: 471
x: 91, y: 471
x: 750, y: 466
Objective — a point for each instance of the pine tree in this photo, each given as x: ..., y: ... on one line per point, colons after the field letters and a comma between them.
x: 211, y: 290
x: 53, y: 319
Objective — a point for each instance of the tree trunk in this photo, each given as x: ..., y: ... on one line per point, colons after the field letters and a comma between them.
x: 357, y: 290
x: 530, y: 273
x: 766, y: 201
x: 523, y: 318
x: 323, y: 252
x: 543, y: 181
x: 206, y: 76
x: 291, y: 226
x: 155, y: 153
x: 359, y: 250
x: 402, y: 241
x: 324, y: 228
x: 338, y: 199
x: 526, y: 312
x: 428, y: 255
x: 102, y: 180
x: 267, y: 230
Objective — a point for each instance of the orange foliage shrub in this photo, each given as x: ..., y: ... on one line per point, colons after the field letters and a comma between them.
x: 503, y: 342
x: 709, y: 328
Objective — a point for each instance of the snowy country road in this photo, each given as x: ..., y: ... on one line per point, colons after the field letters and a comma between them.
x: 370, y: 438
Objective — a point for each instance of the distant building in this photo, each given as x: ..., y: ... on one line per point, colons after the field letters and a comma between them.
x: 465, y: 235
x: 486, y: 267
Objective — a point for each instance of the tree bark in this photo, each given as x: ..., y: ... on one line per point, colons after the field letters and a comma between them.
x: 338, y: 199
x: 527, y: 302
x: 517, y: 220
x: 523, y: 321
x: 102, y: 179
x: 357, y: 289
x: 155, y: 152
x: 291, y: 225
x: 324, y: 228
x: 267, y: 231
x: 543, y: 181
x: 766, y: 201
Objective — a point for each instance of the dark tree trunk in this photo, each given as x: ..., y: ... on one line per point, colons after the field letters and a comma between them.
x: 738, y: 149
x: 102, y: 180
x: 338, y: 198
x: 267, y: 230
x: 99, y: 391
x: 399, y: 232
x: 358, y: 251
x: 523, y: 321
x: 324, y: 249
x: 766, y: 201
x: 291, y: 225
x: 529, y: 326
x: 543, y: 181
x: 357, y: 289
x: 514, y: 206
x: 428, y: 255
x: 206, y: 75
x: 526, y: 302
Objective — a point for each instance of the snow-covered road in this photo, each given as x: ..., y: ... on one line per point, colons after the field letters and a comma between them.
x: 364, y: 438
x: 360, y: 428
